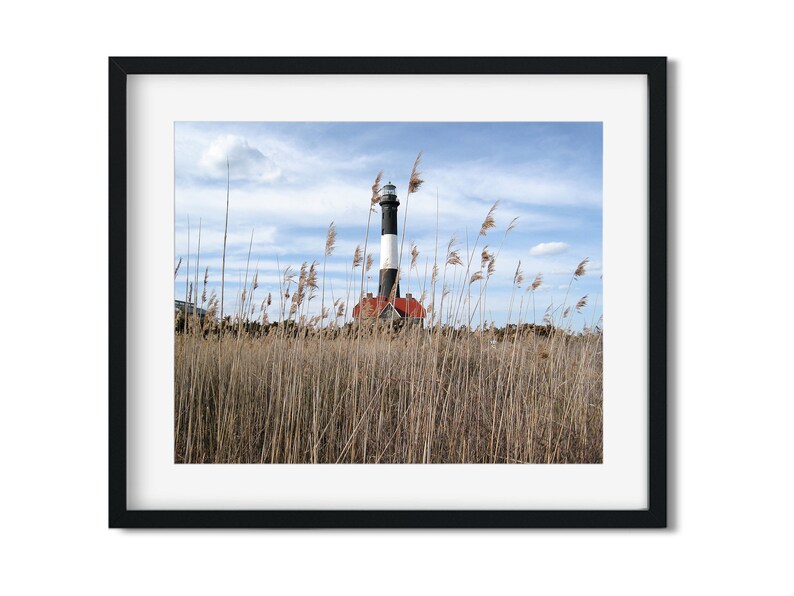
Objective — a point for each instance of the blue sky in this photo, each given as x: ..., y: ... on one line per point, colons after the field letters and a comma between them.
x: 290, y: 180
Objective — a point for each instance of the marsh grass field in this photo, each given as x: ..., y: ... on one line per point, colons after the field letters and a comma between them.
x: 412, y: 396
x: 296, y: 378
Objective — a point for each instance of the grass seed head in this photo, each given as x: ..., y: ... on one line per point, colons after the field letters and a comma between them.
x: 491, y: 265
x: 580, y: 269
x: 415, y: 182
x: 453, y: 258
x: 452, y: 242
x: 489, y: 221
x: 311, y: 278
x: 289, y: 275
x: 485, y: 256
x: 302, y: 276
x: 376, y: 189
x: 518, y: 278
x: 358, y: 257
x: 330, y: 240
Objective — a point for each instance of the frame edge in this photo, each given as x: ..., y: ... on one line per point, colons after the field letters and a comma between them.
x: 654, y: 517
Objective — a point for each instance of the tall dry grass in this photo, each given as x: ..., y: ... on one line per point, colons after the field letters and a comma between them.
x: 330, y: 389
x: 411, y: 396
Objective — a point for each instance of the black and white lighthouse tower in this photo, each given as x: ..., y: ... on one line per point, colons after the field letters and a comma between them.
x: 388, y: 305
x: 388, y: 243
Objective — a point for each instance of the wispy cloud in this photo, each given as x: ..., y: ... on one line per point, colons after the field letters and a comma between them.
x: 524, y: 184
x: 246, y: 163
x: 548, y: 248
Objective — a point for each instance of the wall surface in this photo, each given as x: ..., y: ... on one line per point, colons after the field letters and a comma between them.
x: 730, y: 251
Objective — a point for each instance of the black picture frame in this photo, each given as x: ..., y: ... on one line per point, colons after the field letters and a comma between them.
x: 655, y: 516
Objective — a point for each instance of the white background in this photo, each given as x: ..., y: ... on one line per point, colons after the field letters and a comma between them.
x: 731, y: 407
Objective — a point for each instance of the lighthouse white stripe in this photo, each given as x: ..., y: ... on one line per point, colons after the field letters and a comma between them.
x: 388, y: 251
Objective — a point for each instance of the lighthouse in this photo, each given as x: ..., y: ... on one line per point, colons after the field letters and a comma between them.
x: 388, y: 305
x: 388, y: 243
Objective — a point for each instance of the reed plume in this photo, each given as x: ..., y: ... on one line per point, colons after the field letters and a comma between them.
x: 485, y: 257
x: 453, y: 258
x: 580, y: 269
x: 415, y: 182
x: 330, y: 240
x: 414, y: 254
x: 518, y: 278
x: 357, y: 256
x: 311, y: 277
x: 302, y: 276
x: 375, y: 199
x: 491, y: 265
x: 489, y: 221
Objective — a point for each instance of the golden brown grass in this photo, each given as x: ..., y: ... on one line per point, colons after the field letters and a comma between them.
x: 411, y: 396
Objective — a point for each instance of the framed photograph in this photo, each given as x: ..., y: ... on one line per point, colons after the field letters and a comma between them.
x: 387, y: 292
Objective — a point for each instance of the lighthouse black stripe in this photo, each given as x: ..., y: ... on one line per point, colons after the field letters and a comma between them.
x: 387, y: 279
x: 389, y: 217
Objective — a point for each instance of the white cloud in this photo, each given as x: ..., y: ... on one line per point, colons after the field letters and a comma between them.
x: 524, y: 185
x: 245, y: 162
x: 548, y: 248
